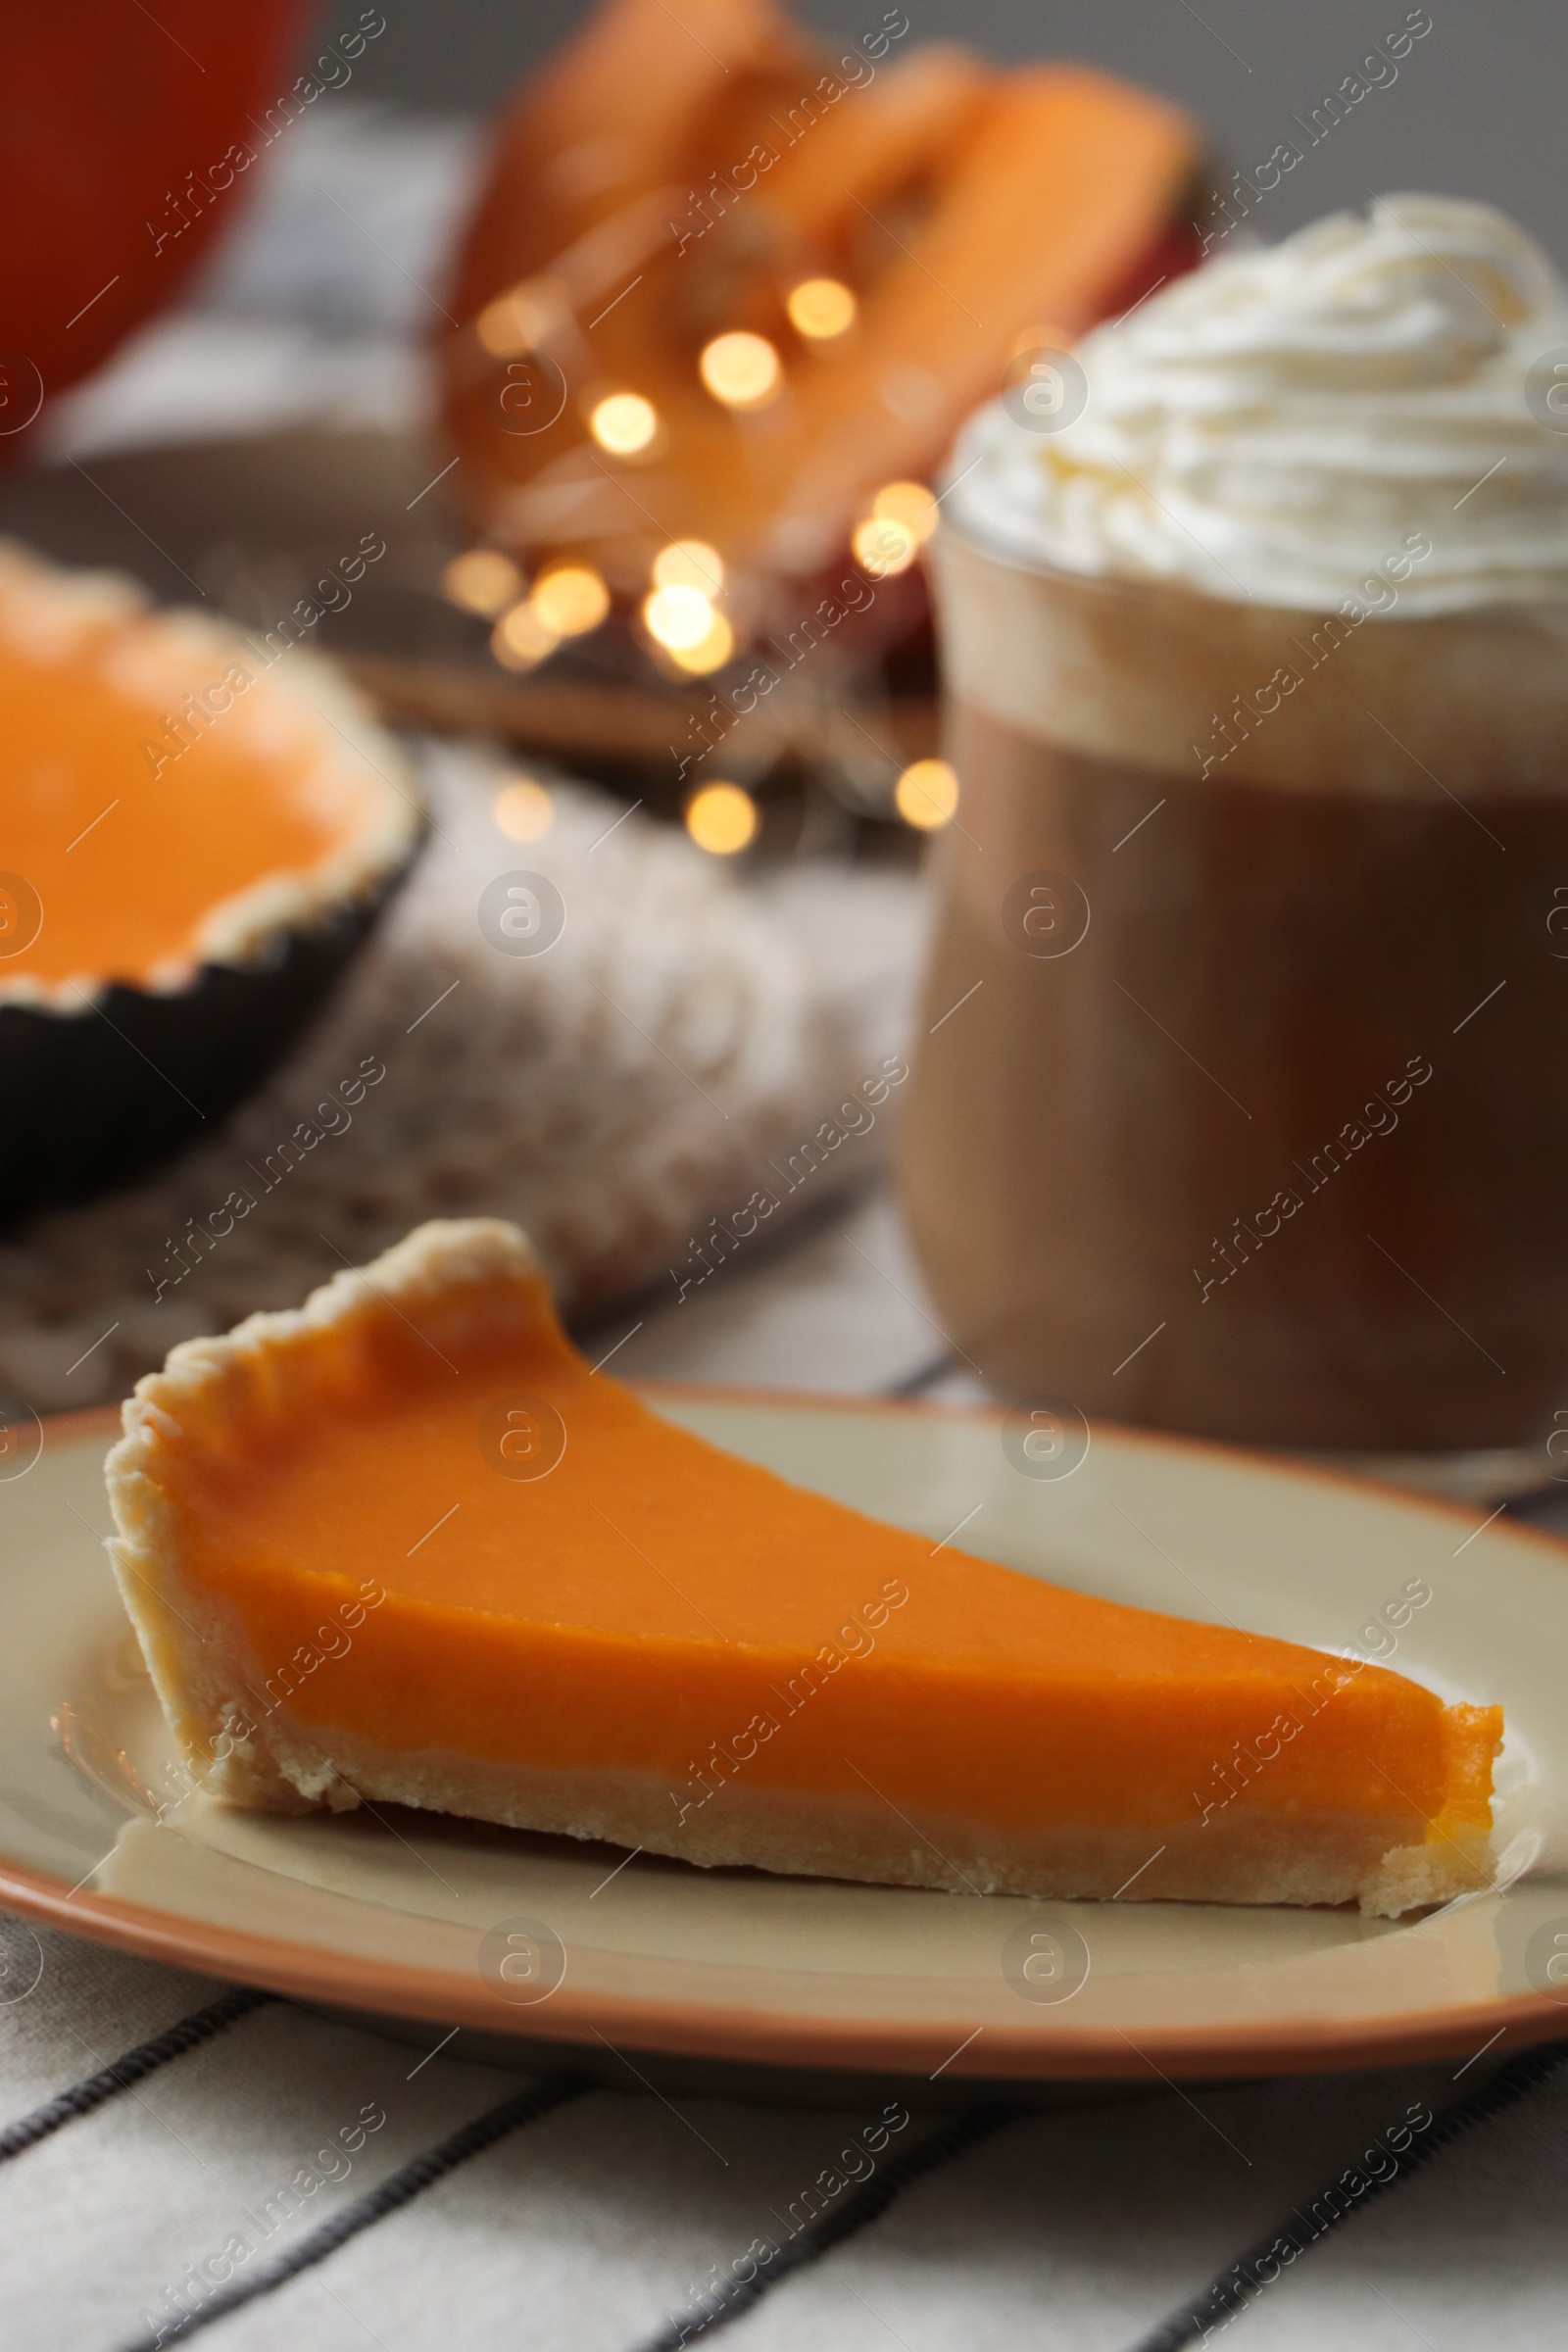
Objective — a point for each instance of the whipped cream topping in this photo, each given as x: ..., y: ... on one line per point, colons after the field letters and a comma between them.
x: 1280, y: 424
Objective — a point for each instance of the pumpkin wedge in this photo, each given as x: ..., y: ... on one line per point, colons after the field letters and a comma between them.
x: 650, y: 192
x: 403, y: 1544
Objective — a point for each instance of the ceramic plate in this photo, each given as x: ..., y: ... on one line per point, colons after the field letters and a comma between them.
x: 416, y: 1917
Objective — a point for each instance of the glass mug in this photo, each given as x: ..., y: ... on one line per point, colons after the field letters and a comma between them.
x: 1240, y: 1104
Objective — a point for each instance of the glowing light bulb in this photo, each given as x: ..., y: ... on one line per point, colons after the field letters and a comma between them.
x: 483, y: 580
x: 521, y: 640
x: 623, y: 423
x: 740, y: 369
x: 910, y: 505
x: 821, y: 307
x: 678, y: 616
x: 721, y: 818
x: 710, y: 653
x: 883, y: 547
x: 927, y: 795
x: 689, y: 564
x: 523, y: 809
x: 570, y: 600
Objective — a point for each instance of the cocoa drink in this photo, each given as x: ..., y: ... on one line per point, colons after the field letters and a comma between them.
x: 1241, y: 1098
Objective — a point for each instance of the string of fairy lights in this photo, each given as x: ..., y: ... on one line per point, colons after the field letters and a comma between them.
x: 680, y: 620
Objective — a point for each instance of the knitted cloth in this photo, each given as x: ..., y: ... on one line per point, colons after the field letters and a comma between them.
x: 686, y: 1031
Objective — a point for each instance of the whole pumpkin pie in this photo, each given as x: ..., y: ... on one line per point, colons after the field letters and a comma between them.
x: 405, y: 1545
x: 197, y: 830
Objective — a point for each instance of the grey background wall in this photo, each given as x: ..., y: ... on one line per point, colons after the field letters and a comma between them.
x: 1477, y: 109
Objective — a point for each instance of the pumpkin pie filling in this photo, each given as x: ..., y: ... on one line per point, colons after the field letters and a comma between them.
x: 405, y: 1545
x: 170, y: 798
x: 124, y: 897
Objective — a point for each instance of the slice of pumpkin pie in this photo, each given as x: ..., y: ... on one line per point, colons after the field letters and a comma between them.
x: 404, y: 1545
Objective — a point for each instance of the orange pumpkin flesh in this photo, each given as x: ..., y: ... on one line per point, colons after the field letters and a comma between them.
x: 119, y: 128
x: 628, y: 213
x: 658, y: 1643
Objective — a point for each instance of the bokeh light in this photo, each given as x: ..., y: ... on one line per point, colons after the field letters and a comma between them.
x: 623, y: 423
x: 1044, y: 336
x: 721, y: 818
x: 678, y: 616
x: 520, y: 639
x: 711, y: 653
x: 741, y: 369
x: 927, y: 795
x: 523, y: 809
x: 570, y: 600
x: 910, y: 503
x: 516, y: 322
x: 821, y: 307
x: 884, y: 546
x: 483, y: 580
x: 689, y: 564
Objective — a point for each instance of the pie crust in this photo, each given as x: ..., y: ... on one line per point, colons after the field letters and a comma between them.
x: 530, y: 1672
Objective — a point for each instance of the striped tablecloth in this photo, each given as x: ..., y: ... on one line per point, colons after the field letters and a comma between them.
x: 184, y: 2156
